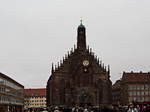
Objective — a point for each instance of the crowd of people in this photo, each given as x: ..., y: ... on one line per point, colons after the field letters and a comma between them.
x: 130, y: 108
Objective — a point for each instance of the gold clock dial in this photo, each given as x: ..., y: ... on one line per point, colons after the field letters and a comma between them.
x: 85, y: 63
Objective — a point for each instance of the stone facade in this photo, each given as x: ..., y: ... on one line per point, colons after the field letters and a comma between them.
x: 80, y: 78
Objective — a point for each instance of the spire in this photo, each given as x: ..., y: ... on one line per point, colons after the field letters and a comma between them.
x: 68, y: 54
x: 103, y: 65
x: 81, y: 36
x: 74, y: 47
x: 61, y: 62
x: 52, y: 68
x: 63, y: 59
x: 81, y: 21
x: 90, y: 50
x: 100, y: 63
x: 105, y: 68
x: 108, y: 69
x: 58, y: 65
x: 71, y: 51
x: 55, y: 67
x: 65, y: 56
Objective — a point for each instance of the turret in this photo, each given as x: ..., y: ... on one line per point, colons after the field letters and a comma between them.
x: 81, y: 37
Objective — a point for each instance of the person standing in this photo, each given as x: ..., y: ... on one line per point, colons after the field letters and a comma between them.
x: 56, y: 109
x: 130, y: 109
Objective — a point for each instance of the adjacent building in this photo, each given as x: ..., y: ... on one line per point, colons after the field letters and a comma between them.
x: 35, y: 98
x: 116, y: 93
x: 134, y: 87
x: 11, y: 94
x: 80, y: 78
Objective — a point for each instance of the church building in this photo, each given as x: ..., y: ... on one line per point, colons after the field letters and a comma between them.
x: 80, y: 78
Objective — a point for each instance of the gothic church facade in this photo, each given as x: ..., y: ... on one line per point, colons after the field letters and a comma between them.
x: 80, y: 78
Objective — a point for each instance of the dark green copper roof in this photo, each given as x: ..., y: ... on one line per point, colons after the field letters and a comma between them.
x: 81, y: 26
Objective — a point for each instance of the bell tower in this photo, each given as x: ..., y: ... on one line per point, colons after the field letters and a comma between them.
x: 81, y: 37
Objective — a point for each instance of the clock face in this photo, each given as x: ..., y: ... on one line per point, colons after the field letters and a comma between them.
x: 85, y: 63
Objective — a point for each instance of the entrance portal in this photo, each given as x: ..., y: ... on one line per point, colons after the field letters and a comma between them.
x: 85, y: 99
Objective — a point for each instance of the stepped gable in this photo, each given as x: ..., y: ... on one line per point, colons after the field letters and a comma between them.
x: 75, y: 55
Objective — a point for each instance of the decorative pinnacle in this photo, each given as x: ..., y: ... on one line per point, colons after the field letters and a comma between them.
x: 68, y: 54
x: 74, y: 47
x: 52, y: 68
x: 108, y: 68
x: 55, y: 67
x: 63, y: 59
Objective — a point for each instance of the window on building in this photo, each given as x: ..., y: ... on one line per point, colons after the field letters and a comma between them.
x: 138, y: 87
x: 129, y: 87
x: 146, y: 86
x: 143, y: 99
x: 146, y: 92
x: 146, y: 99
x: 130, y: 93
x: 138, y: 93
x: 142, y: 87
x: 142, y: 93
x: 134, y: 93
x: 134, y: 99
x: 1, y: 81
x: 132, y: 87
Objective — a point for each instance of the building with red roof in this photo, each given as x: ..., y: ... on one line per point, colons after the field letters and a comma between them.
x: 35, y: 98
x: 134, y: 87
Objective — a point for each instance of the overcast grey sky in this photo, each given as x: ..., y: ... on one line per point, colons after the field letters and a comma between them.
x: 117, y: 30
